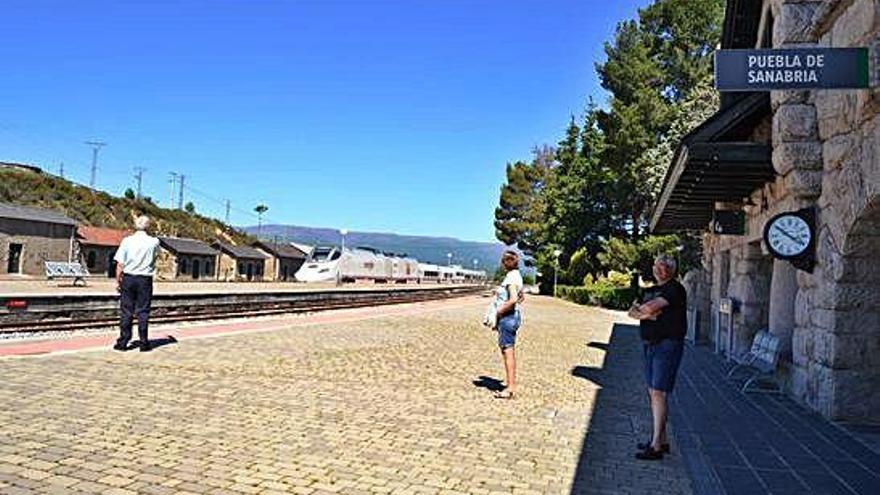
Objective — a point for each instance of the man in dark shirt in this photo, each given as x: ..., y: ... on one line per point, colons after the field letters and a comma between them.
x: 663, y: 324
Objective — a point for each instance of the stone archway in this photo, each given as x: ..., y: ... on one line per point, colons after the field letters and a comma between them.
x: 856, y: 344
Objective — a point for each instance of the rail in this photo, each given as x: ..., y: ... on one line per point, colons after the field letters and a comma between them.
x: 39, y: 313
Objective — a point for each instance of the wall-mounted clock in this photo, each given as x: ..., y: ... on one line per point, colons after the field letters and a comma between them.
x: 792, y: 236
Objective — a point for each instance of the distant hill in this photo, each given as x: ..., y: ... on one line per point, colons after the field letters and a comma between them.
x: 423, y: 248
x: 28, y: 186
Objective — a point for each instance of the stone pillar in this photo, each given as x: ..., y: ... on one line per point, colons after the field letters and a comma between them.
x: 783, y: 291
x: 750, y: 285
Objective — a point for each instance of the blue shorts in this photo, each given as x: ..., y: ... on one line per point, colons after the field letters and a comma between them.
x: 661, y: 363
x: 507, y: 327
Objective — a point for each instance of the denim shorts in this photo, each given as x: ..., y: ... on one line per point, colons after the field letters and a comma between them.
x: 507, y: 327
x: 661, y: 363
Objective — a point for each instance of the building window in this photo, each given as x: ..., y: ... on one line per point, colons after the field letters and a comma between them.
x: 241, y: 268
x: 184, y: 266
x: 209, y: 268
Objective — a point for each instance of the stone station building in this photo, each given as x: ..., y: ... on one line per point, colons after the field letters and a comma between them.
x: 241, y: 263
x: 767, y: 153
x: 186, y: 259
x: 283, y: 260
x: 31, y: 236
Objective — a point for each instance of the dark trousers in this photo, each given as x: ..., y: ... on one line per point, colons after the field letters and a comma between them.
x: 136, y: 294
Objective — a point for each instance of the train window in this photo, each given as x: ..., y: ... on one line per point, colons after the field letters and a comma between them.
x: 321, y: 254
x: 336, y: 255
x: 369, y: 265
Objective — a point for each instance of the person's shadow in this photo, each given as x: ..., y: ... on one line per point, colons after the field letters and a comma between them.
x: 154, y: 343
x: 487, y: 382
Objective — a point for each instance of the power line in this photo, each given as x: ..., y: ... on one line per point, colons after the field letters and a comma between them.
x: 96, y: 146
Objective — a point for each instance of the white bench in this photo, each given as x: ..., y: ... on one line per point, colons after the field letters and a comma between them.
x: 64, y: 269
x: 761, y: 359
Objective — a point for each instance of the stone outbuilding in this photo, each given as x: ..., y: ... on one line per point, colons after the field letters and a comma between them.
x: 762, y: 154
x: 283, y: 260
x: 186, y: 259
x: 97, y: 247
x: 241, y: 262
x: 31, y: 236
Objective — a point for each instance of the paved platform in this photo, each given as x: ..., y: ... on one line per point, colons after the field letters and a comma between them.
x: 388, y: 400
x: 758, y: 443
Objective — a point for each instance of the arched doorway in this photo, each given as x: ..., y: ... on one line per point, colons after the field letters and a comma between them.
x: 196, y: 269
x: 856, y: 344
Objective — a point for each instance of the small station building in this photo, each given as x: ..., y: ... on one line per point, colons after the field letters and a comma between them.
x: 186, y: 259
x: 283, y: 260
x: 30, y: 236
x: 97, y: 247
x: 241, y: 262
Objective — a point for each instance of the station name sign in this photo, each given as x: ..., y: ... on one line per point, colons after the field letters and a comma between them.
x: 802, y: 68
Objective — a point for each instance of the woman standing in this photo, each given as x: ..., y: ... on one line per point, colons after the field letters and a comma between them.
x: 507, y: 300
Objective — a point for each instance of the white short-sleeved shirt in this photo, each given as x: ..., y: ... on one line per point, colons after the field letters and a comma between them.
x: 513, y: 277
x: 137, y: 254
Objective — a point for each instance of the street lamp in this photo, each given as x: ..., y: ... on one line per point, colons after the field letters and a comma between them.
x: 448, y: 259
x: 556, y: 254
x: 344, y: 232
x: 476, y: 261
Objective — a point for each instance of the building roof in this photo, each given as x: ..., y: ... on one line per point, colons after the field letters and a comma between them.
x: 100, y: 236
x: 305, y: 248
x: 281, y: 250
x: 714, y: 163
x: 34, y: 214
x: 245, y: 252
x: 187, y: 246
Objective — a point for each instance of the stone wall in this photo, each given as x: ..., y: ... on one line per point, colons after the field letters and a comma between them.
x: 826, y: 152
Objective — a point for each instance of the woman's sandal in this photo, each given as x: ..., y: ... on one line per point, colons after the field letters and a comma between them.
x: 504, y: 394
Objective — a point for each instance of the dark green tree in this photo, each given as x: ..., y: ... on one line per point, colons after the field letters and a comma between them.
x: 129, y: 193
x: 189, y: 207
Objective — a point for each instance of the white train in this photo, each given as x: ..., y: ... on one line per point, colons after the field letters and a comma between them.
x: 331, y: 264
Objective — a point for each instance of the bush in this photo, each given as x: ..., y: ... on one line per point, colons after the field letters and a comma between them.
x: 612, y: 292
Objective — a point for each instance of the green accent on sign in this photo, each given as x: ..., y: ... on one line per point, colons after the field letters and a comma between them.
x: 864, y: 72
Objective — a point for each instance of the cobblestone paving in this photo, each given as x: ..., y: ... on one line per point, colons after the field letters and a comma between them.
x: 389, y: 405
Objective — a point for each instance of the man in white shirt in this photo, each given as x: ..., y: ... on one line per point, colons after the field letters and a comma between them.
x: 135, y: 267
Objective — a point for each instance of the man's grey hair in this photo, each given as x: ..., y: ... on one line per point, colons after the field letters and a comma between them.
x: 142, y: 222
x: 668, y: 261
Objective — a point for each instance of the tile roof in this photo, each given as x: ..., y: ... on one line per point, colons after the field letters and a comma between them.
x: 281, y: 250
x: 246, y: 252
x: 100, y: 236
x: 187, y: 246
x: 42, y: 215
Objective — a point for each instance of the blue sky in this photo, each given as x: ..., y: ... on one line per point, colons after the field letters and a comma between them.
x: 372, y: 115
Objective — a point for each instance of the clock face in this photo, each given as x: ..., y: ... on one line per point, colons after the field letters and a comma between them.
x: 788, y: 235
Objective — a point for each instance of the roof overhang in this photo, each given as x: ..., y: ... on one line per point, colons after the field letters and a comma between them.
x: 714, y: 163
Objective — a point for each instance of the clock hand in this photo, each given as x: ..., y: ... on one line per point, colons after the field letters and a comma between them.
x: 786, y: 234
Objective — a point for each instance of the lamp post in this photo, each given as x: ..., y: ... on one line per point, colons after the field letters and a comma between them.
x: 556, y: 254
x: 448, y: 259
x: 344, y: 232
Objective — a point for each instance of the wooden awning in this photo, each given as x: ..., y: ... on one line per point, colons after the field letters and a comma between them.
x: 714, y: 163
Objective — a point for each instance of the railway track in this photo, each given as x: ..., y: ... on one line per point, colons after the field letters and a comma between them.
x: 58, y: 313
